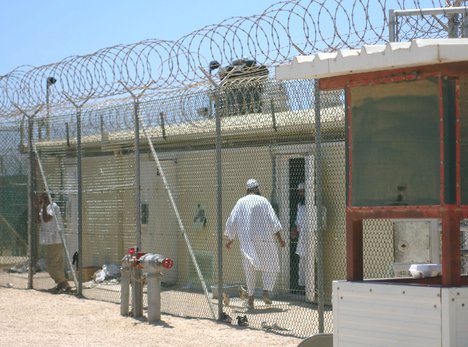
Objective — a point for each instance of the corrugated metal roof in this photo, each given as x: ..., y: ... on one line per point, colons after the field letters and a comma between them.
x: 374, y: 58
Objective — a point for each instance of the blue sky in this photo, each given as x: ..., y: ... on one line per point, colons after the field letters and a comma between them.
x: 35, y: 32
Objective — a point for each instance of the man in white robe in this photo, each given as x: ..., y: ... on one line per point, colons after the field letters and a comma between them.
x: 255, y: 222
x: 302, y: 229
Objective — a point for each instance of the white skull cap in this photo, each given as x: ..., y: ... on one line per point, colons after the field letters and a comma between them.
x: 300, y: 186
x: 251, y: 183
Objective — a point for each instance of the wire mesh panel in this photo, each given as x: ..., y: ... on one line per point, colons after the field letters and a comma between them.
x: 168, y: 191
x: 378, y: 252
x: 14, y: 260
x: 189, y: 231
x: 170, y: 205
x: 156, y: 159
x: 280, y: 154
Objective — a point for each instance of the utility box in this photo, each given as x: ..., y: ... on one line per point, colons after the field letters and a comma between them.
x: 415, y: 242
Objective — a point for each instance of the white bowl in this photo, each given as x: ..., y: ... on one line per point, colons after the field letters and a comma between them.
x: 425, y: 270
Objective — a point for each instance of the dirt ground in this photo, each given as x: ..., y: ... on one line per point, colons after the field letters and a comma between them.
x: 35, y: 318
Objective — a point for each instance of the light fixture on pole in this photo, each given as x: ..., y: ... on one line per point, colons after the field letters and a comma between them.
x: 214, y: 65
x: 50, y: 81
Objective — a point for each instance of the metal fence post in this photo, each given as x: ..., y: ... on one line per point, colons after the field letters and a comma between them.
x: 465, y: 26
x: 79, y: 179
x: 219, y: 192
x: 219, y: 217
x: 79, y: 186
x: 453, y: 25
x: 136, y: 110
x: 320, y: 211
x: 392, y: 26
x: 31, y: 206
x: 137, y: 291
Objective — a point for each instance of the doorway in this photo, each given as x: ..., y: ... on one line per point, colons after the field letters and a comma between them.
x: 292, y: 169
x: 296, y: 176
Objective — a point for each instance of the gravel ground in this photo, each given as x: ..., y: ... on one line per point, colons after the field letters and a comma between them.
x: 36, y: 318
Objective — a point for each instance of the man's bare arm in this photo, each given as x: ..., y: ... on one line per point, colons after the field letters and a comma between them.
x: 280, y: 239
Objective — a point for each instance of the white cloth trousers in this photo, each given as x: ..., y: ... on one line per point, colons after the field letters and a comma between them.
x: 269, y: 278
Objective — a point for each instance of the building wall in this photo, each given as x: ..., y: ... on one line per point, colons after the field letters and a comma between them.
x: 109, y: 208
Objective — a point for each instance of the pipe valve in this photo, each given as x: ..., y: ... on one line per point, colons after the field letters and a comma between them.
x: 155, y: 262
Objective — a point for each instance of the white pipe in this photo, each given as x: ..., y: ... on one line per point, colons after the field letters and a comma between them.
x: 155, y: 262
x: 153, y: 281
x: 152, y: 266
x: 125, y: 285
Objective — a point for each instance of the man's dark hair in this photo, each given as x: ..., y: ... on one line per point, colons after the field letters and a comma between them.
x: 253, y: 190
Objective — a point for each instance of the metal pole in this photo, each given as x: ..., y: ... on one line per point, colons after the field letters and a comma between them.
x: 31, y: 205
x: 179, y: 220
x: 136, y: 118
x: 137, y: 292
x: 465, y: 25
x: 49, y: 82
x: 219, y: 180
x: 136, y: 110
x: 318, y: 197
x: 392, y: 22
x: 453, y: 25
x: 79, y: 184
x: 125, y: 285
x: 154, y: 296
x: 219, y: 208
x: 80, y: 200
x: 47, y: 111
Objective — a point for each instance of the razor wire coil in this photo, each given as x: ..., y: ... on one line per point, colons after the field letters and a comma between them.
x: 283, y: 30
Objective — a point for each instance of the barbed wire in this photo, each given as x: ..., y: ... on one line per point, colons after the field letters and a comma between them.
x: 283, y: 30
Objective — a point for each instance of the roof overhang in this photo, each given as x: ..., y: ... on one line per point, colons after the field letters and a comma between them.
x: 394, y: 55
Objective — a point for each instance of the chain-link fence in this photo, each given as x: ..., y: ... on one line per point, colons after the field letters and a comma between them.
x: 162, y: 169
x: 14, y: 169
x: 268, y: 132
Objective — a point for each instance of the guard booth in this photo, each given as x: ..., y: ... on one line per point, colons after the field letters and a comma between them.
x: 406, y: 158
